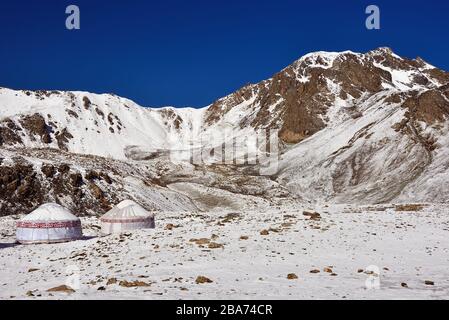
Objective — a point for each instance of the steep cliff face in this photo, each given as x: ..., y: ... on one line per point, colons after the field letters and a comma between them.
x: 353, y: 128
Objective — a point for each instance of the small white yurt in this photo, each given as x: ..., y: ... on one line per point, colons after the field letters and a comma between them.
x: 50, y: 223
x: 127, y: 215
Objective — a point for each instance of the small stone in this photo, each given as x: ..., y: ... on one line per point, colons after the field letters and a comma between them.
x: 264, y: 232
x: 203, y: 279
x: 63, y: 288
x: 312, y: 215
x: 130, y: 284
x: 429, y: 283
x: 244, y: 238
x: 404, y: 285
x: 214, y: 245
x: 315, y: 271
x: 292, y: 276
x: 201, y: 241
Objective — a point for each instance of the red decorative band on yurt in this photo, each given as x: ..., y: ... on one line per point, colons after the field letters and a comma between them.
x: 48, y: 225
x: 135, y: 220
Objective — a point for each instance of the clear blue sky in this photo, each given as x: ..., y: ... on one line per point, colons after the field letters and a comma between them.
x: 191, y: 52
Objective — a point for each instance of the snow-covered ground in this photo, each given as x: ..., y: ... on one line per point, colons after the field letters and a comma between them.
x: 407, y: 249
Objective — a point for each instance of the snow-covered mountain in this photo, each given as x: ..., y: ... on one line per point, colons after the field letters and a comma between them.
x: 352, y: 127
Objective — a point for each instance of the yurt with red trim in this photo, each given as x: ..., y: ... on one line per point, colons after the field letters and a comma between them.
x: 50, y: 223
x: 127, y: 215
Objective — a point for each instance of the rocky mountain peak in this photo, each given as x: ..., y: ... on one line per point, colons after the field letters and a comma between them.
x: 297, y: 99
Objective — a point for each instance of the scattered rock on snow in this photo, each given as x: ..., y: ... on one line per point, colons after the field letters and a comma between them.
x: 214, y: 245
x: 63, y: 288
x: 409, y: 207
x: 171, y: 226
x: 30, y: 293
x: 201, y: 241
x: 137, y: 283
x: 312, y: 215
x: 292, y: 276
x: 202, y: 279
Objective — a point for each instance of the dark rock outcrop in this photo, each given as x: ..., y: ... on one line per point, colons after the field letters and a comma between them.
x: 36, y: 126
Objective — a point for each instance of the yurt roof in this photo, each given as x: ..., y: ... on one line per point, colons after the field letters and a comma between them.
x: 127, y: 209
x: 126, y: 203
x: 50, y: 212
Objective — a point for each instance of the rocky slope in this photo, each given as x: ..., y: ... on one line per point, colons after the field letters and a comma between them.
x: 353, y: 127
x: 394, y: 148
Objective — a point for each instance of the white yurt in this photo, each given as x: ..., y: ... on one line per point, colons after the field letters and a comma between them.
x: 50, y: 223
x: 127, y: 215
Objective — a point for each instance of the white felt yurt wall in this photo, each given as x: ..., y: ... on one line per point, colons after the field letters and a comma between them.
x: 49, y: 223
x: 127, y: 215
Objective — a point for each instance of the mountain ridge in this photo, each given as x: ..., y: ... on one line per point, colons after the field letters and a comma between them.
x: 352, y: 127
